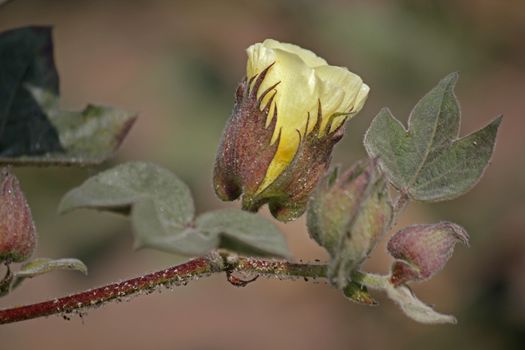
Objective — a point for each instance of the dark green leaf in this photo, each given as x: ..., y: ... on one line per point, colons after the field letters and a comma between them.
x: 243, y: 232
x: 88, y: 137
x: 160, y: 204
x: 428, y: 161
x: 26, y: 57
x: 33, y: 129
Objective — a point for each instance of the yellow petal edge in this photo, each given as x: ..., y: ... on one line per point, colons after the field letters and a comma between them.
x: 305, y: 80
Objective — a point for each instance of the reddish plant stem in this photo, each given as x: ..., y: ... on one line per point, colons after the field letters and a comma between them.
x: 98, y: 296
x: 177, y: 275
x: 277, y: 268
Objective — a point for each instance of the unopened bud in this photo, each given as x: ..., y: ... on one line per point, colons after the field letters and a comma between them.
x: 332, y: 205
x: 347, y: 215
x: 17, y: 230
x: 421, y: 251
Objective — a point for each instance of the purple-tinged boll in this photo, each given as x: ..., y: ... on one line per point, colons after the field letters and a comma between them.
x: 421, y: 251
x: 17, y: 230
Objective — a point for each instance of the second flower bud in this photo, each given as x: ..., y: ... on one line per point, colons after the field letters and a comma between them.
x: 347, y: 214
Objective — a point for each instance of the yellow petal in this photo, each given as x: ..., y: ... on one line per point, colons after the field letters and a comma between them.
x: 340, y: 88
x: 304, y: 80
x: 307, y: 56
x: 361, y: 98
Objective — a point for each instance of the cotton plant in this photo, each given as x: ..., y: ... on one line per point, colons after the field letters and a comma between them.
x: 290, y: 109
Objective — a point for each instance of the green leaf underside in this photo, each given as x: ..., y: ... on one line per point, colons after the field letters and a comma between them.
x: 162, y: 213
x: 415, y: 308
x: 428, y: 161
x: 160, y: 204
x: 33, y: 129
x: 42, y: 266
x: 243, y: 232
x: 165, y: 234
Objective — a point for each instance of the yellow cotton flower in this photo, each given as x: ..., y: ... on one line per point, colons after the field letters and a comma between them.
x: 288, y: 115
x: 304, y: 80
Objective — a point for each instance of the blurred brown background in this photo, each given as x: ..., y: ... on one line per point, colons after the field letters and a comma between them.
x: 177, y: 63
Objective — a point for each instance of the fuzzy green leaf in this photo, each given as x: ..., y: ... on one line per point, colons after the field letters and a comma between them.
x: 243, y: 232
x: 161, y: 232
x: 429, y: 161
x: 160, y: 205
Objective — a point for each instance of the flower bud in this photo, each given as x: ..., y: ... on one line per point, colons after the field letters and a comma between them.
x: 17, y: 230
x: 347, y: 215
x: 421, y: 251
x: 288, y: 115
